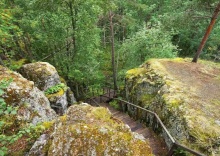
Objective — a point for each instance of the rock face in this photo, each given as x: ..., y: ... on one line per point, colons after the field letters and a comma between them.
x: 33, y: 106
x: 43, y: 74
x: 58, y: 99
x: 45, y: 78
x: 38, y: 148
x: 185, y: 95
x: 87, y: 130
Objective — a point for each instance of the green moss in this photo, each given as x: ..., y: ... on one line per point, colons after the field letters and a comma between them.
x: 101, y: 113
x: 48, y: 124
x: 135, y: 72
x: 174, y: 103
x: 146, y: 99
x: 187, y: 95
x: 47, y: 146
x: 53, y: 97
x: 63, y: 118
x: 96, y: 133
x: 62, y: 80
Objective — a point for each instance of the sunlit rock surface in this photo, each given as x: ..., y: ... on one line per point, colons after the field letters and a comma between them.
x: 91, y: 131
x: 185, y: 95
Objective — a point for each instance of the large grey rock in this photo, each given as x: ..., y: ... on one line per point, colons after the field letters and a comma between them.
x: 70, y: 97
x: 90, y: 131
x: 184, y: 95
x: 33, y: 106
x: 43, y: 74
x: 58, y: 102
x: 39, y: 146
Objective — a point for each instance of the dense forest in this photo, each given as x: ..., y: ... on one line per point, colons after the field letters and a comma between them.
x: 54, y: 54
x: 94, y: 40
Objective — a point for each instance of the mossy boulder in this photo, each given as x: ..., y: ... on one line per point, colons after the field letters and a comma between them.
x: 46, y: 78
x: 185, y: 95
x: 43, y: 74
x: 33, y: 106
x: 87, y: 130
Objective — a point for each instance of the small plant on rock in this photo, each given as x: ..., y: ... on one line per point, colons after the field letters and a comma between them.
x: 55, y: 89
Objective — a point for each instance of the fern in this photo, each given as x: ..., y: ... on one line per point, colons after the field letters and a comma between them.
x: 55, y: 89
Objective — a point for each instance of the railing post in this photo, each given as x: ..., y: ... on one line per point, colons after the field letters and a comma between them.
x: 100, y: 98
x: 171, y: 151
x: 124, y: 105
x: 136, y: 113
x: 109, y: 94
x: 155, y: 124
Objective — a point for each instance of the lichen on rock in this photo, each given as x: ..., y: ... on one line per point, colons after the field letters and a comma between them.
x: 186, y: 97
x: 33, y: 106
x: 42, y: 73
x: 87, y: 130
x: 46, y: 78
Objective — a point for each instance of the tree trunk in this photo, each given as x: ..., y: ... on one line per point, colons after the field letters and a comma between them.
x: 104, y: 37
x: 73, y: 13
x: 113, y: 49
x: 1, y: 62
x: 209, y: 29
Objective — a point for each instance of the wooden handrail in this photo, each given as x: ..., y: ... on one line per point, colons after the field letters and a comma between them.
x: 175, y: 145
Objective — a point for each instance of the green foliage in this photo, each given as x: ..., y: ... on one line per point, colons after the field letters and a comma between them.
x: 5, y: 112
x: 74, y: 36
x: 179, y: 152
x: 4, y: 108
x: 30, y: 132
x: 10, y: 33
x: 12, y: 129
x: 114, y: 104
x: 152, y: 42
x: 55, y: 89
x: 189, y: 19
x: 15, y: 65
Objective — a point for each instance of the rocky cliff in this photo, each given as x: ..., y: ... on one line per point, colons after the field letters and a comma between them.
x: 185, y: 95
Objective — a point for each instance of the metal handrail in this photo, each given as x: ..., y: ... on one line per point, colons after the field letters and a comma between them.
x: 175, y: 144
x: 161, y: 123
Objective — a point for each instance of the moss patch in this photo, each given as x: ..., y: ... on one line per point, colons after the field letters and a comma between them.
x: 135, y: 72
x: 146, y: 99
x: 87, y: 130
